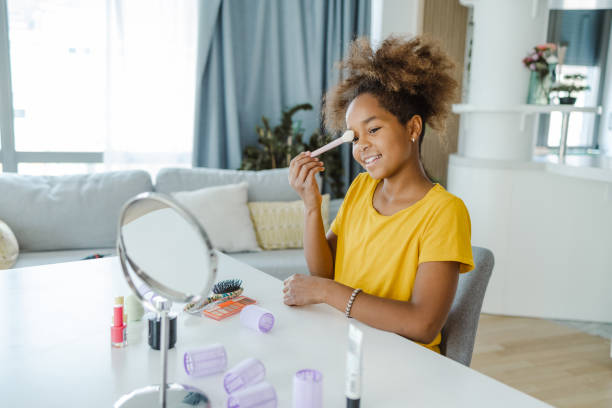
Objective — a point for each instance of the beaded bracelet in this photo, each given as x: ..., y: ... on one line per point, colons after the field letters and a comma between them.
x: 347, y: 312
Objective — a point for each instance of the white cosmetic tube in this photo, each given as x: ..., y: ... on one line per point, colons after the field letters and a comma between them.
x: 353, y: 367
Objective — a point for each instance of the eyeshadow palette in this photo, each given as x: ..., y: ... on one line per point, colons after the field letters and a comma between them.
x: 228, y: 308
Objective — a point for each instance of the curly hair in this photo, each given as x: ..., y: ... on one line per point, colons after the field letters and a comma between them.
x: 408, y: 77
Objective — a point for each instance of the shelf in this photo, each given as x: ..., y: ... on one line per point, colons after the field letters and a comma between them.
x: 524, y: 109
x: 583, y: 167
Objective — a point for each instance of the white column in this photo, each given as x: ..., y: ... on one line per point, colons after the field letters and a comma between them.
x: 504, y: 32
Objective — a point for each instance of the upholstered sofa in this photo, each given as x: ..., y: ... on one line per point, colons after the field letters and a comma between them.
x: 67, y: 218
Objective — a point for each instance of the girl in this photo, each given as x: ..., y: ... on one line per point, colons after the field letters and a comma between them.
x: 393, y: 255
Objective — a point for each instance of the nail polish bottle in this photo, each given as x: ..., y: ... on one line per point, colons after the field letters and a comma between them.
x: 118, y: 329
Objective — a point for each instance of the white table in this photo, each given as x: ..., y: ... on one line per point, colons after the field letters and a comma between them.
x: 55, y: 347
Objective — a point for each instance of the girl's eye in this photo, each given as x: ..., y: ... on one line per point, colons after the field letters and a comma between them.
x: 355, y: 139
x: 373, y: 130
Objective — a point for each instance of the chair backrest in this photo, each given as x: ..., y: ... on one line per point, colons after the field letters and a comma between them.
x: 459, y: 331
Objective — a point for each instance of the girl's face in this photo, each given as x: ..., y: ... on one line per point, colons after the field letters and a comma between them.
x: 382, y: 145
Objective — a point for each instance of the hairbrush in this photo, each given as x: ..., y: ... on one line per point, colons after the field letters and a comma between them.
x: 222, y: 290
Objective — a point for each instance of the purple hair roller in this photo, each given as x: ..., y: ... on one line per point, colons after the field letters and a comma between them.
x: 260, y: 395
x: 257, y: 318
x: 205, y: 361
x: 308, y: 389
x: 247, y: 372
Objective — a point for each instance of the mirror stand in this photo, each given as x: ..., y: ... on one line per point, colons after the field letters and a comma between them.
x: 151, y: 225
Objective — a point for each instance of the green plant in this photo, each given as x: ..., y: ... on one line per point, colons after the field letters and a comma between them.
x: 278, y: 145
x: 573, y: 83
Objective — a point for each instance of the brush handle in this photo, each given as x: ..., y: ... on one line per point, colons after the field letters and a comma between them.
x: 327, y: 147
x: 346, y: 137
x: 196, y: 308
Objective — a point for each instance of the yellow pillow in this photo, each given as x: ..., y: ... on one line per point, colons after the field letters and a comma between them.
x: 280, y: 224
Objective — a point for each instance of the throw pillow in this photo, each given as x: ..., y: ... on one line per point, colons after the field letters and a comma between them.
x: 280, y: 224
x: 9, y: 248
x: 223, y: 212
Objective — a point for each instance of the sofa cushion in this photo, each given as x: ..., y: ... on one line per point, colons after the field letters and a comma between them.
x: 280, y: 224
x: 223, y: 212
x: 67, y: 212
x: 280, y: 263
x: 264, y: 185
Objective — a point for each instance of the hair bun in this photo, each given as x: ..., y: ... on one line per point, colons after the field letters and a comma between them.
x: 409, y: 72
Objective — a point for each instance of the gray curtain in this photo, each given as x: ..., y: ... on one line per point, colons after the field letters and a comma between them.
x: 258, y: 57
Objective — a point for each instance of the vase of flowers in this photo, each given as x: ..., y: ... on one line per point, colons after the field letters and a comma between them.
x: 542, y: 62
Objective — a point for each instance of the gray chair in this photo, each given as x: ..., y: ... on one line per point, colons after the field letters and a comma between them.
x: 459, y: 332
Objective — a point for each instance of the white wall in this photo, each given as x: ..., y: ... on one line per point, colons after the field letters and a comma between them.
x: 404, y: 17
x: 550, y: 234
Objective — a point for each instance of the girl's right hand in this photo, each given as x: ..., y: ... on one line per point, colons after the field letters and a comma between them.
x: 302, y: 170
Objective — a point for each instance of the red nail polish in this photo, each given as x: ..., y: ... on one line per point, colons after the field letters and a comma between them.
x: 119, y: 328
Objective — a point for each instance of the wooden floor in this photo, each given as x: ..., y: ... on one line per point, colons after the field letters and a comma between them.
x: 554, y: 363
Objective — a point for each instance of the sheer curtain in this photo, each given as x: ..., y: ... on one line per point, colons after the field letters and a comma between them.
x: 151, y: 68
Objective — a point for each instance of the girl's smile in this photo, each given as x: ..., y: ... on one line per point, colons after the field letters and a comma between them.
x: 382, y: 144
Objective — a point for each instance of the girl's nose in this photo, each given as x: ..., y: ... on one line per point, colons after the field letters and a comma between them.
x: 362, y: 144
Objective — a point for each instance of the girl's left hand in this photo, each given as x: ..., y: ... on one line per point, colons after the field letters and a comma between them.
x: 303, y: 290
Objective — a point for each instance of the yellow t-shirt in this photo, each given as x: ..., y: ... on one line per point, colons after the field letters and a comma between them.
x: 380, y: 254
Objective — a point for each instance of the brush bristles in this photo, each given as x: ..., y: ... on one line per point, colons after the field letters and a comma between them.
x: 348, y: 136
x: 226, y: 286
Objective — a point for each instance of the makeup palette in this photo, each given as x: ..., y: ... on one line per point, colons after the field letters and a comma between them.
x: 228, y: 308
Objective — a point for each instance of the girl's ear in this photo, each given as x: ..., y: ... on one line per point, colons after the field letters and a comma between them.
x: 415, y: 126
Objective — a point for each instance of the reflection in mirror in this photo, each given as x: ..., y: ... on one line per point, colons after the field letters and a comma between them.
x: 168, y: 249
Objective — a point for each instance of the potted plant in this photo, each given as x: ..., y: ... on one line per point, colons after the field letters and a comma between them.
x: 567, y: 90
x: 279, y: 144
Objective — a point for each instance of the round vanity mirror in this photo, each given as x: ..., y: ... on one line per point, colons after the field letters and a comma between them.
x: 166, y: 257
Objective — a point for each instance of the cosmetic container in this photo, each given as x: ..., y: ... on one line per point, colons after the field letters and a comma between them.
x: 354, y: 357
x: 257, y: 318
x: 118, y: 328
x: 308, y: 389
x: 205, y: 361
x: 262, y: 395
x: 134, y: 308
x: 246, y: 373
x: 154, y: 322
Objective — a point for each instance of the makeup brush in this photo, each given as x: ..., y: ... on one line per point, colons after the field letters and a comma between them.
x: 348, y: 136
x: 226, y: 289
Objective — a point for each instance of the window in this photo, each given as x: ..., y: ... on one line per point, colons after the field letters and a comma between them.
x: 101, y: 84
x: 586, y: 35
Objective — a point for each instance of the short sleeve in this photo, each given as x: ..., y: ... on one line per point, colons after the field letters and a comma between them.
x: 448, y: 236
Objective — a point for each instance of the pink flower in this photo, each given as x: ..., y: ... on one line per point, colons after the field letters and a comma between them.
x: 532, y: 66
x: 546, y: 46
